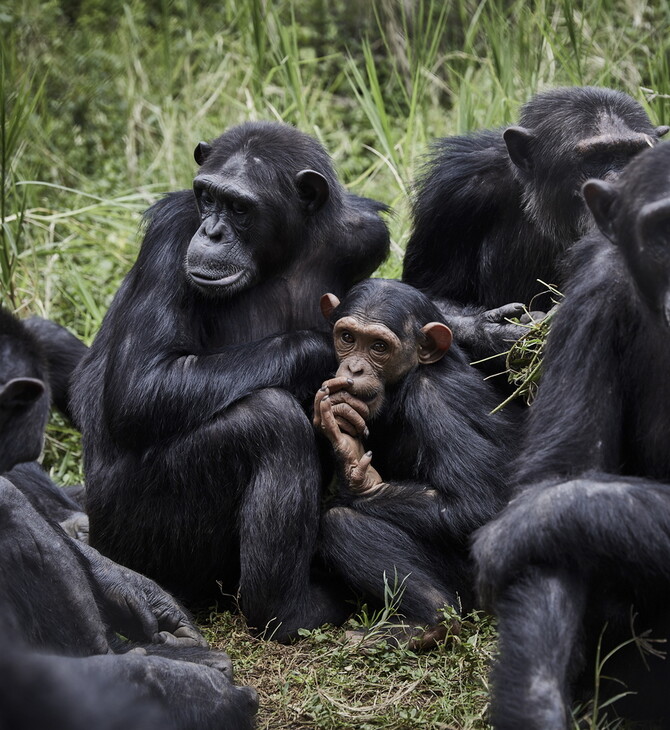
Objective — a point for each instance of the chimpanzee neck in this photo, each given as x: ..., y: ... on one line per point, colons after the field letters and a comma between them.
x: 279, y: 305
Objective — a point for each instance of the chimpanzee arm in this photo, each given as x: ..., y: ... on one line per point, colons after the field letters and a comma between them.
x: 575, y: 423
x: 163, y: 388
x: 603, y: 515
x: 136, y: 606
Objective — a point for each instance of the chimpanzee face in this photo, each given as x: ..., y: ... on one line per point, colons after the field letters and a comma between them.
x: 248, y: 222
x: 574, y: 135
x: 634, y: 213
x: 220, y: 259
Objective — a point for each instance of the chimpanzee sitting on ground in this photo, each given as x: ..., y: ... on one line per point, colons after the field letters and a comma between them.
x: 24, y: 410
x: 566, y: 558
x: 201, y: 464
x: 440, y: 457
x: 496, y: 210
x: 59, y: 595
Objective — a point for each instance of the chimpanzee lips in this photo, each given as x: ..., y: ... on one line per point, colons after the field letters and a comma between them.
x: 206, y: 278
x: 367, y: 396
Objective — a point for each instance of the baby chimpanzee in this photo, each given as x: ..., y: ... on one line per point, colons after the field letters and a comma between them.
x: 440, y: 456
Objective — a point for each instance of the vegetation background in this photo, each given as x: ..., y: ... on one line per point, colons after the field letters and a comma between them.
x: 101, y: 105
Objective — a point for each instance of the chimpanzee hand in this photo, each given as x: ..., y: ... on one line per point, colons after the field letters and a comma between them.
x: 489, y: 332
x: 137, y: 607
x: 360, y: 477
x: 350, y: 412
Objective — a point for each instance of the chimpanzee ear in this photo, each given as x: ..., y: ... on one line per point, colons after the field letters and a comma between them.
x: 601, y: 196
x: 653, y: 222
x: 328, y: 303
x: 201, y: 152
x: 20, y: 393
x: 439, y: 341
x: 519, y: 141
x: 313, y: 189
x: 662, y: 131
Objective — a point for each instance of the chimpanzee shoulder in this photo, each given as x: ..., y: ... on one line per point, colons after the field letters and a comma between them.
x: 465, y: 186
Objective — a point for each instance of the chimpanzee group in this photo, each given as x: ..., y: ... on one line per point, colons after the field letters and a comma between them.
x: 263, y: 422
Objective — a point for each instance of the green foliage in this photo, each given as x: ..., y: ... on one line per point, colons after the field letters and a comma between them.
x: 102, y: 103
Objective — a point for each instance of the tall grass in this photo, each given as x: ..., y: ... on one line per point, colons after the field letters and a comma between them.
x: 103, y: 101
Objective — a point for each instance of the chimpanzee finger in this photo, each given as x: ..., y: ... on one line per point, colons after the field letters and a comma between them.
x: 328, y: 423
x: 348, y: 419
x: 351, y: 400
x: 532, y: 317
x: 318, y: 397
x: 336, y: 384
x: 358, y: 473
x: 507, y: 311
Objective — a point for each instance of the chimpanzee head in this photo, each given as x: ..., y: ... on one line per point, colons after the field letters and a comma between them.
x: 263, y: 190
x: 567, y: 136
x: 24, y: 395
x: 634, y: 213
x: 382, y: 330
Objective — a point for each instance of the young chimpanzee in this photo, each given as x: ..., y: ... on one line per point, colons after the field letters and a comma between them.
x: 496, y: 210
x: 439, y: 456
x: 580, y: 559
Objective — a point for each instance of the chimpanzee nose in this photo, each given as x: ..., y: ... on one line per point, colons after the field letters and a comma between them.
x: 355, y: 366
x: 214, y: 228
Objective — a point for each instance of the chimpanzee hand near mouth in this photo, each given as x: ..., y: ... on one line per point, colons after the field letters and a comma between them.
x: 350, y: 411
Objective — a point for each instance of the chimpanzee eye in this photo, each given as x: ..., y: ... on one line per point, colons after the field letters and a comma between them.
x: 239, y: 208
x: 206, y: 199
x: 379, y: 346
x: 347, y: 337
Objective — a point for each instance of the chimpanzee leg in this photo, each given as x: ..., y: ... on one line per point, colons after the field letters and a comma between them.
x: 367, y: 551
x: 540, y: 624
x: 279, y: 519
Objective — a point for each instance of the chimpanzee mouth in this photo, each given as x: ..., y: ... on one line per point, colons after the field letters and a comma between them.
x: 206, y: 279
x: 367, y: 396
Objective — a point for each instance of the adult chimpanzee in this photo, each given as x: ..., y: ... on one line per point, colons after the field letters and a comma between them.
x: 61, y: 596
x: 24, y: 409
x: 441, y: 456
x: 201, y: 464
x: 567, y: 556
x: 495, y: 211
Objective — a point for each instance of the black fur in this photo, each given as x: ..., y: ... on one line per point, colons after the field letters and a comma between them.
x: 486, y: 230
x: 60, y: 598
x: 201, y: 463
x: 62, y: 352
x: 599, y: 542
x: 24, y: 409
x: 442, y: 458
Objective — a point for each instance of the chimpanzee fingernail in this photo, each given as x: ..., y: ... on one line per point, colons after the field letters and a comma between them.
x: 327, y: 397
x: 366, y: 433
x: 350, y: 381
x: 323, y: 389
x: 368, y: 453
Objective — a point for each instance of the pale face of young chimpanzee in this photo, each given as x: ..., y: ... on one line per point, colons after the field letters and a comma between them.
x: 371, y: 356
